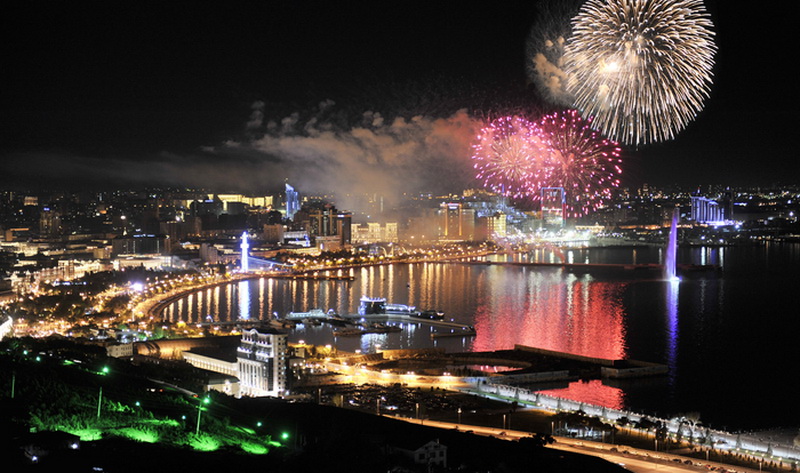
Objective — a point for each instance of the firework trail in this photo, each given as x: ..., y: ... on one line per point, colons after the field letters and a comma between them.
x: 509, y: 156
x: 581, y: 161
x: 641, y: 68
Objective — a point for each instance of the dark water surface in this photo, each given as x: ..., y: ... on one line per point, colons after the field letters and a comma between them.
x: 730, y: 337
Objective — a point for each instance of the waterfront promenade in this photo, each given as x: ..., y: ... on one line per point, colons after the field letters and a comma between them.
x: 783, y: 453
x: 491, y: 387
x: 636, y: 460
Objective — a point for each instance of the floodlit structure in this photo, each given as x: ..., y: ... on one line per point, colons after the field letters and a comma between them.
x: 292, y: 201
x: 262, y: 363
x: 245, y: 258
x: 711, y: 211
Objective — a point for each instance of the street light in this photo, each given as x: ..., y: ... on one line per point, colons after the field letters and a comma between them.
x: 104, y: 371
x: 206, y: 400
x: 99, y: 401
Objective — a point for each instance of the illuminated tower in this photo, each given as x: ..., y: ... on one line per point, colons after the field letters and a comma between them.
x: 292, y: 202
x: 245, y: 246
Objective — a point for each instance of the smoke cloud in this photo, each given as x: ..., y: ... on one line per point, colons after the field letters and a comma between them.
x: 387, y: 156
x: 323, y: 150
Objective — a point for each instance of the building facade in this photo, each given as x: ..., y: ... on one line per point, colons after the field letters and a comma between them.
x: 262, y: 362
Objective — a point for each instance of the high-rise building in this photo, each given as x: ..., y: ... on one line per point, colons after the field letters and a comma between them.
x: 49, y: 222
x: 262, y: 362
x: 705, y: 210
x: 496, y: 225
x: 292, y: 201
x: 344, y: 227
x: 553, y: 206
x: 456, y: 222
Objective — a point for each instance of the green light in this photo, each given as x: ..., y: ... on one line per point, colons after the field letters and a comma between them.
x: 254, y: 448
x: 86, y: 435
x: 205, y: 443
x: 139, y: 434
x: 285, y: 436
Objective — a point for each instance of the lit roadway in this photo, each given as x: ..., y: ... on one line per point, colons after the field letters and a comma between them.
x: 635, y: 460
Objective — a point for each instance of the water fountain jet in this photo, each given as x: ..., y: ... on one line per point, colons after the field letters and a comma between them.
x: 670, y: 264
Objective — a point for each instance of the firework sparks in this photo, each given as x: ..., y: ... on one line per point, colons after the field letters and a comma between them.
x: 509, y: 156
x: 641, y: 68
x: 582, y: 162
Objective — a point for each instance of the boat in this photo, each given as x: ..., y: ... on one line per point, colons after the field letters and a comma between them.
x: 466, y: 331
x: 311, y: 314
x: 430, y: 314
x: 363, y: 330
x: 379, y: 306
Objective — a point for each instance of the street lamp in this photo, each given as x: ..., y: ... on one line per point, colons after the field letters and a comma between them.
x: 205, y: 400
x: 99, y: 401
x: 459, y: 415
x: 104, y: 371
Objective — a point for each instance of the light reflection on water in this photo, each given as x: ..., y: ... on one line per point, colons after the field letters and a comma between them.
x: 715, y: 331
x: 540, y: 307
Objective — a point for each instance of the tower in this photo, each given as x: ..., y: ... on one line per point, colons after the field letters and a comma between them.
x: 292, y: 202
x: 245, y: 246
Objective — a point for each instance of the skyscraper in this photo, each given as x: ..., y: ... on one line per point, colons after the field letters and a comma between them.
x: 457, y: 223
x: 292, y: 201
x: 553, y: 206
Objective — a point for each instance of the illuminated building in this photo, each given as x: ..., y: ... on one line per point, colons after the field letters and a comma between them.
x: 344, y: 227
x: 374, y: 232
x: 322, y: 222
x: 245, y: 256
x: 705, y: 210
x: 220, y: 361
x: 553, y: 206
x: 456, y: 222
x: 262, y: 362
x: 496, y: 225
x: 251, y: 201
x: 292, y: 201
x: 49, y: 222
x: 140, y: 244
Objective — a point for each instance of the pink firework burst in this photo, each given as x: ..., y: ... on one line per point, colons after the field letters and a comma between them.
x: 509, y: 157
x: 581, y: 161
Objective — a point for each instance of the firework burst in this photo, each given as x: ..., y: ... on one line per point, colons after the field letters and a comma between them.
x: 581, y: 161
x: 509, y: 156
x: 641, y: 68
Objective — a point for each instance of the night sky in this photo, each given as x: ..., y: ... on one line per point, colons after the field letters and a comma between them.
x: 385, y: 97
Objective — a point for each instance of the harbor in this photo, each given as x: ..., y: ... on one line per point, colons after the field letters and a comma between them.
x: 376, y: 316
